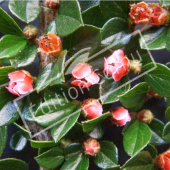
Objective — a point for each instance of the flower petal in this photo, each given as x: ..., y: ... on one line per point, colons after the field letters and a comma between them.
x: 16, y: 76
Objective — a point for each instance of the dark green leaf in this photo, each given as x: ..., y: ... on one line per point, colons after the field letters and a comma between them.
x: 91, y: 124
x: 8, y: 25
x: 25, y: 10
x: 158, y: 78
x: 165, y: 2
x: 51, y: 159
x: 13, y: 164
x: 166, y: 132
x: 52, y: 28
x: 136, y: 137
x: 53, y: 73
x: 26, y: 58
x: 3, y: 138
x: 11, y: 46
x: 69, y: 18
x: 135, y: 97
x: 110, y: 90
x: 87, y: 4
x: 108, y: 155
x: 152, y: 150
x: 42, y: 144
x: 18, y: 141
x: 167, y: 113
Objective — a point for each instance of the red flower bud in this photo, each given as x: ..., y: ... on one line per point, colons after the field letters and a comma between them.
x: 20, y: 83
x: 84, y: 76
x: 163, y: 160
x: 159, y: 16
x: 117, y: 65
x: 120, y: 116
x: 145, y: 116
x: 52, y: 4
x: 91, y: 147
x: 30, y: 32
x: 91, y: 108
x: 51, y: 44
x: 140, y: 13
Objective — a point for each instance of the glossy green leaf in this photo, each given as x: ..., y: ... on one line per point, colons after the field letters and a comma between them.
x: 156, y: 127
x: 87, y: 4
x: 166, y: 132
x: 3, y: 138
x: 8, y: 25
x: 110, y: 90
x: 13, y: 164
x: 51, y: 159
x: 108, y: 155
x: 18, y: 141
x: 9, y: 113
x: 154, y: 38
x: 115, y: 33
x: 42, y: 144
x: 91, y: 124
x: 11, y: 46
x: 94, y: 16
x: 167, y: 113
x: 152, y: 151
x: 25, y: 10
x: 139, y: 162
x: 158, y: 78
x: 136, y: 137
x: 135, y: 97
x: 76, y: 162
x: 52, y: 28
x: 164, y: 2
x: 27, y: 57
x: 53, y: 73
x: 69, y: 18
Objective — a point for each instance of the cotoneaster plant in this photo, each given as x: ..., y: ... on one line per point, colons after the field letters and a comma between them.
x: 87, y: 51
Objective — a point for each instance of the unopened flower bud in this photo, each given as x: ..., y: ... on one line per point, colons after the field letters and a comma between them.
x: 145, y: 116
x: 64, y: 142
x: 91, y: 147
x: 52, y: 4
x: 135, y: 66
x: 30, y: 32
x: 91, y: 108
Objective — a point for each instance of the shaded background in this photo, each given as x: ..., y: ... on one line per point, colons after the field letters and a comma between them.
x: 156, y: 106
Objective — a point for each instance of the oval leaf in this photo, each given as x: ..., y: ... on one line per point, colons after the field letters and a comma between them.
x: 166, y: 132
x: 42, y: 144
x: 152, y: 150
x: 3, y: 138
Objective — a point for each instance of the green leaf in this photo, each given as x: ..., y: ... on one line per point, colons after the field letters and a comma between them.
x: 168, y: 40
x: 110, y: 90
x: 91, y: 124
x: 158, y: 78
x: 167, y: 113
x: 108, y: 155
x: 69, y: 18
x: 3, y: 138
x: 11, y: 46
x: 42, y: 144
x: 152, y: 150
x: 139, y: 162
x: 25, y: 10
x: 8, y: 25
x: 52, y: 28
x: 86, y: 37
x: 115, y: 33
x: 94, y: 16
x: 53, y: 73
x: 166, y: 132
x: 164, y: 2
x: 13, y: 164
x: 27, y: 57
x: 76, y: 162
x: 87, y: 4
x: 18, y: 141
x: 136, y: 137
x: 51, y: 159
x: 154, y: 39
x: 9, y: 113
x: 135, y: 97
x: 4, y: 71
x: 156, y: 127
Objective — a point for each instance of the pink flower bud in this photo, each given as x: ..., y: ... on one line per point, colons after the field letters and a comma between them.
x: 159, y: 16
x: 84, y: 76
x: 91, y: 108
x: 163, y: 160
x: 117, y: 65
x: 120, y: 116
x: 140, y: 13
x: 20, y: 83
x: 52, y: 4
x: 91, y: 147
x: 145, y: 116
x: 50, y: 45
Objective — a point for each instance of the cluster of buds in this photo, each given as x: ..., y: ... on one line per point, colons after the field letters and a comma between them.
x: 152, y: 13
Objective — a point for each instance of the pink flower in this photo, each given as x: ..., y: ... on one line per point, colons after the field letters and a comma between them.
x: 120, y: 116
x: 91, y: 108
x: 20, y: 83
x: 84, y: 76
x: 91, y: 147
x: 117, y: 65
